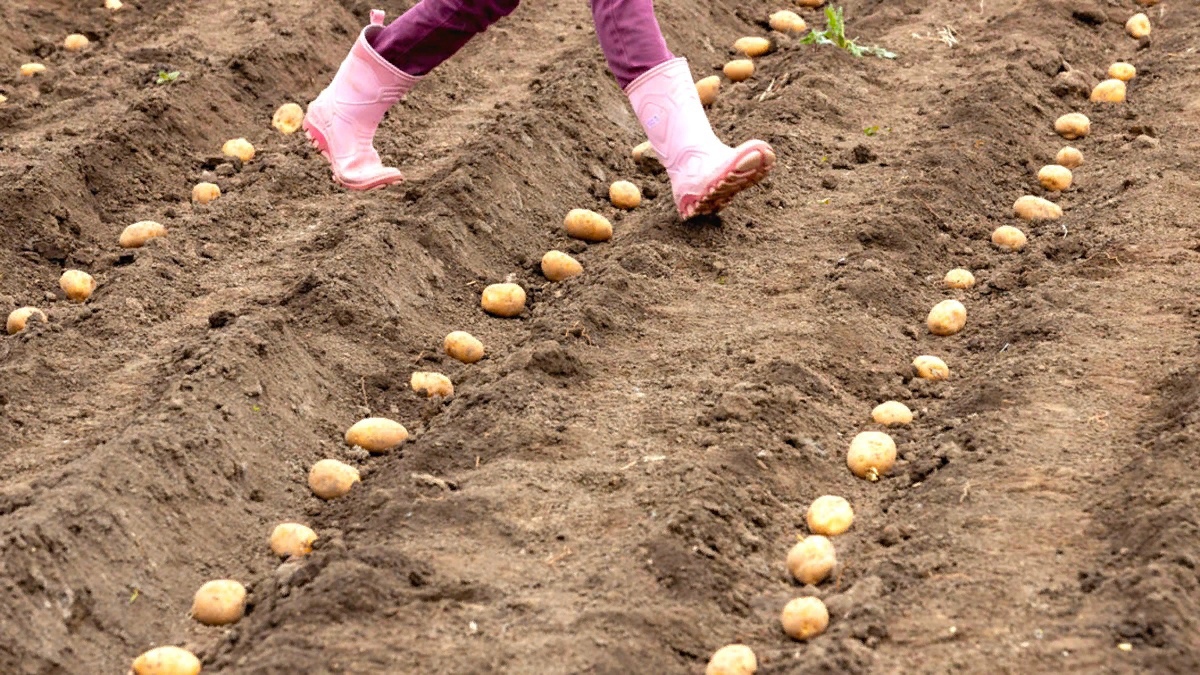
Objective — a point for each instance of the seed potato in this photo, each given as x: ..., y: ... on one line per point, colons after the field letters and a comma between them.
x: 288, y: 118
x: 739, y: 69
x: 931, y: 368
x: 19, y: 318
x: 432, y: 384
x: 137, y: 234
x: 238, y: 147
x: 1009, y: 238
x: 376, y: 435
x: 732, y: 660
x: 1109, y: 91
x: 292, y: 540
x: 830, y: 515
x: 708, y: 88
x: 503, y: 300
x: 3, y: 99
x: 219, y: 603
x: 113, y: 4
x: 871, y: 455
x: 1138, y: 26
x: 1035, y: 208
x: 1122, y: 71
x: 642, y: 152
x: 892, y: 414
x: 204, y: 193
x: 804, y: 618
x: 330, y: 479
x: 31, y: 69
x: 463, y: 346
x: 1073, y: 125
x: 810, y: 3
x: 812, y: 559
x: 557, y: 266
x: 959, y: 278
x: 752, y: 46
x: 947, y: 318
x: 76, y: 42
x: 1055, y: 177
x: 1069, y: 157
x: 587, y: 225
x: 786, y: 21
x: 77, y: 285
x: 166, y: 661
x: 624, y: 195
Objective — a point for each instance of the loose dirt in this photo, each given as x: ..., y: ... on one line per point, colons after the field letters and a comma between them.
x: 614, y: 489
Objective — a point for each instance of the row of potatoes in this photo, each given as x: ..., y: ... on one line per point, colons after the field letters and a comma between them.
x: 873, y: 453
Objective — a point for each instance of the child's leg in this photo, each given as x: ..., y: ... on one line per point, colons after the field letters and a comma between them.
x: 705, y: 173
x: 630, y: 37
x: 433, y: 30
x: 383, y: 66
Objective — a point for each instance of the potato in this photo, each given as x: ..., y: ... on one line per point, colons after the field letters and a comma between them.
x: 1036, y: 208
x: 114, y: 4
x: 1009, y: 238
x: 739, y: 69
x: 624, y: 195
x: 1138, y: 26
x: 463, y: 346
x: 557, y: 266
x: 810, y: 3
x: 504, y: 300
x: 292, y: 540
x: 1109, y: 91
x: 732, y: 660
x: 786, y: 21
x: 204, y: 193
x: 892, y: 414
x: 643, y: 152
x: 871, y: 455
x: 931, y: 368
x: 376, y: 435
x: 238, y: 147
x: 219, y: 602
x: 752, y: 46
x: 1072, y: 126
x: 1069, y: 157
x: 830, y: 515
x: 76, y: 42
x: 587, y: 225
x: 137, y: 234
x: 708, y: 88
x: 1055, y: 177
x: 947, y: 318
x: 19, y: 318
x: 804, y: 618
x: 330, y: 479
x: 431, y: 384
x: 959, y: 278
x: 288, y: 118
x: 166, y: 660
x: 3, y: 99
x: 1122, y: 71
x: 77, y: 285
x: 812, y: 559
x: 31, y: 69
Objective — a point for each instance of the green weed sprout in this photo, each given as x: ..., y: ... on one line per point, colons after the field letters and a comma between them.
x: 835, y: 34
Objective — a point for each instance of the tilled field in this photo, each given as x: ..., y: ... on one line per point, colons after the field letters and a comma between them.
x: 624, y: 474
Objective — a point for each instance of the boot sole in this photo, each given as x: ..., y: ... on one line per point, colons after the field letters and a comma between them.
x: 317, y: 140
x: 746, y: 170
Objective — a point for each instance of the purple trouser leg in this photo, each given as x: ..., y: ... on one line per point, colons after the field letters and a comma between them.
x: 433, y: 30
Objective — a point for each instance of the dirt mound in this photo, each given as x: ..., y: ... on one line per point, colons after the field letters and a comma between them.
x: 615, y: 487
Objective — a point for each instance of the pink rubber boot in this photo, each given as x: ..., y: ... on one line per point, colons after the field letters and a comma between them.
x: 705, y: 173
x: 341, y: 123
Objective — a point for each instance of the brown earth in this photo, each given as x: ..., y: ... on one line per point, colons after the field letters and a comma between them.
x: 627, y: 470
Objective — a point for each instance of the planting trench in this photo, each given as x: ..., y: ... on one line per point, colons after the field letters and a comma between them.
x: 627, y: 470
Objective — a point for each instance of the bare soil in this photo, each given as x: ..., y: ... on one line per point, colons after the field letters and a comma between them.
x: 625, y: 472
